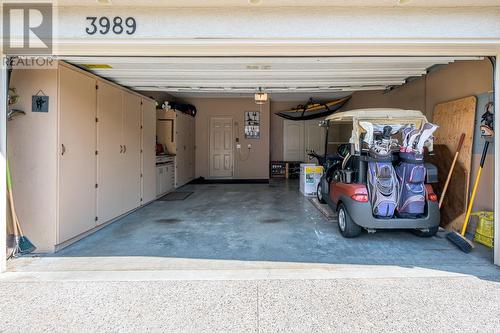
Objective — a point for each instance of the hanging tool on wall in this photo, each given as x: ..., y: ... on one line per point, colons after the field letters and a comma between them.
x: 487, y: 133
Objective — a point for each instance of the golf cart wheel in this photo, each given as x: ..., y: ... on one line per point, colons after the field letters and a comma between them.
x: 431, y: 232
x: 347, y: 227
x: 319, y: 194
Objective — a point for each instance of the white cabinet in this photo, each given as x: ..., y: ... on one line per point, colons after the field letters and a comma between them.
x: 125, y: 151
x: 164, y: 179
x: 95, y: 157
x: 185, y: 153
x: 77, y: 154
x: 148, y: 151
x: 176, y: 130
x: 169, y: 177
x: 159, y: 177
x: 110, y: 148
x: 131, y: 139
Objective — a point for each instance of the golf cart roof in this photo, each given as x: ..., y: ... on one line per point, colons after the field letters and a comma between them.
x: 376, y: 113
x: 399, y: 118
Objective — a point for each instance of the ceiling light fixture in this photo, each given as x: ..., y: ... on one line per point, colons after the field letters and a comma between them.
x: 260, y: 97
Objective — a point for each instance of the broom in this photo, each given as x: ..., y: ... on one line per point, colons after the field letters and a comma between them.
x: 450, y: 173
x: 459, y: 238
x: 22, y: 245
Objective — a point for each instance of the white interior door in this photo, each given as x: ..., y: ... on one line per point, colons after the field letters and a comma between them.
x: 221, y: 147
x: 314, y: 137
x: 77, y: 158
x: 131, y: 167
x: 293, y: 140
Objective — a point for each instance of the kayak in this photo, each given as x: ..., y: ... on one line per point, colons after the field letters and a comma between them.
x: 313, y: 110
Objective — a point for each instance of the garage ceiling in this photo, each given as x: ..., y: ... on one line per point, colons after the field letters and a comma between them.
x: 228, y: 76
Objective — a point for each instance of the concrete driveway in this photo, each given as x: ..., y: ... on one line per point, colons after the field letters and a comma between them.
x: 249, y: 258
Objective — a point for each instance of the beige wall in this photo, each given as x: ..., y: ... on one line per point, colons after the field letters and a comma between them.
x: 457, y: 80
x: 31, y: 138
x: 409, y: 96
x: 253, y: 166
x: 460, y: 79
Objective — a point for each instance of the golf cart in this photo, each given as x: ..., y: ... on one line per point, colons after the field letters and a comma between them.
x: 377, y: 177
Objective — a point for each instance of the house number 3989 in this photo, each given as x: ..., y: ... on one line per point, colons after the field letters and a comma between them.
x: 105, y: 25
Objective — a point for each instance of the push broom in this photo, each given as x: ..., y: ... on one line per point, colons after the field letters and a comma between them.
x: 459, y: 239
x: 450, y: 173
x: 487, y: 133
x: 22, y: 245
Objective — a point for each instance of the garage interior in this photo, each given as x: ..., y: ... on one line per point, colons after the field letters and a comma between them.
x: 106, y: 199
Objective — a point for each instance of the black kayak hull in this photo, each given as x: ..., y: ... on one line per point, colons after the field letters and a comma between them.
x: 308, y: 115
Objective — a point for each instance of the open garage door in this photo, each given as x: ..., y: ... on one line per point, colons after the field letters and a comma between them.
x: 172, y: 204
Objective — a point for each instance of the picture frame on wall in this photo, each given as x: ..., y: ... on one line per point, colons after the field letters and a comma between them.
x: 252, y: 124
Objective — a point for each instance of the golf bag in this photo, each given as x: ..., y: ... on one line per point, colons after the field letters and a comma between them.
x: 383, y: 188
x: 411, y: 174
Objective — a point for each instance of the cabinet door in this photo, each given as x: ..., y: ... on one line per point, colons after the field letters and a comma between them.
x: 164, y: 179
x: 180, y: 145
x: 192, y: 153
x: 159, y: 172
x: 131, y: 157
x: 77, y: 158
x: 170, y: 178
x: 109, y: 146
x: 148, y: 150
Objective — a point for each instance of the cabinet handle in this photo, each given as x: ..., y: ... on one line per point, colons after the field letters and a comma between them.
x: 63, y: 149
x: 124, y: 149
x: 121, y: 149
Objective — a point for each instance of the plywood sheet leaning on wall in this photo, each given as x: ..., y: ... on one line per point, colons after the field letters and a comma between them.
x: 454, y: 118
x: 456, y: 196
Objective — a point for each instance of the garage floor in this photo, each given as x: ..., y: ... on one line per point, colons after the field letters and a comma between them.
x: 261, y: 222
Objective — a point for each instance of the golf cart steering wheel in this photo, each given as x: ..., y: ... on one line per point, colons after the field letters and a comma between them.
x: 343, y: 150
